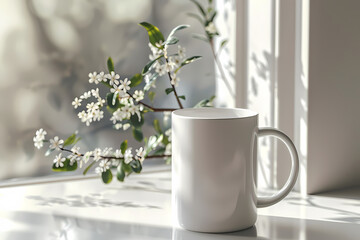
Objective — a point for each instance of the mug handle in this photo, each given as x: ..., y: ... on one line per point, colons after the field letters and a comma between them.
x: 277, y: 197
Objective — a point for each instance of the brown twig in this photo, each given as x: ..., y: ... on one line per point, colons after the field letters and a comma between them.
x: 153, y: 108
x: 173, y: 87
x: 108, y: 157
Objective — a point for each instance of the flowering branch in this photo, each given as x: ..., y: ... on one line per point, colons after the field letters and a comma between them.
x: 127, y: 111
x: 115, y: 158
x: 173, y: 87
x: 207, y: 18
x: 153, y: 108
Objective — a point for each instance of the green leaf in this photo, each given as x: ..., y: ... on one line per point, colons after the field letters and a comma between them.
x: 107, y: 176
x: 136, y: 166
x: 70, y: 140
x: 187, y: 61
x: 155, y: 36
x: 49, y: 151
x: 180, y: 27
x: 136, y: 80
x: 201, y: 9
x: 159, y: 151
x: 115, y: 97
x: 110, y: 65
x: 120, y: 174
x: 165, y: 140
x: 157, y: 126
x: 126, y: 167
x: 134, y: 119
x: 222, y: 45
x: 182, y: 97
x: 153, y: 143
x: 151, y: 80
x: 106, y: 84
x: 137, y: 133
x: 148, y: 66
x: 212, y: 17
x: 123, y: 146
x: 151, y: 96
x: 88, y: 168
x: 205, y: 102
x: 171, y: 38
x: 66, y: 168
x: 171, y: 41
x: 109, y: 100
x: 76, y: 140
x: 197, y: 17
x: 200, y: 37
x: 169, y: 90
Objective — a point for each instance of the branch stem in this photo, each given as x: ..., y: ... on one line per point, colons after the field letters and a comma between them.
x: 108, y: 157
x: 173, y: 87
x: 153, y: 108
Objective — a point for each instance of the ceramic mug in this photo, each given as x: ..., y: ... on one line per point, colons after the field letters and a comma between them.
x: 213, y: 168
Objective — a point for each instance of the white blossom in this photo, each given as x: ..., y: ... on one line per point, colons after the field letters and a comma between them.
x: 175, y: 61
x: 128, y: 156
x: 118, y: 125
x: 72, y: 159
x: 181, y: 52
x: 156, y: 52
x: 149, y: 84
x: 113, y: 78
x: 118, y: 153
x: 97, y: 154
x: 59, y: 161
x: 98, y: 170
x: 93, y: 78
x: 125, y: 84
x: 92, y: 107
x: 38, y: 143
x: 168, y: 133
x: 95, y: 93
x: 101, y: 77
x: 119, y: 90
x: 98, y: 115
x: 76, y: 103
x: 115, y: 162
x: 82, y: 115
x: 86, y: 95
x: 85, y: 158
x: 40, y: 134
x: 174, y: 79
x: 168, y: 149
x: 168, y: 67
x: 104, y: 165
x: 160, y: 69
x: 210, y: 28
x: 126, y: 126
x: 126, y: 112
x: 140, y: 154
x: 107, y: 151
x: 56, y: 143
x: 75, y: 150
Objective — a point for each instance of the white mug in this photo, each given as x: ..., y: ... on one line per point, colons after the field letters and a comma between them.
x: 213, y: 168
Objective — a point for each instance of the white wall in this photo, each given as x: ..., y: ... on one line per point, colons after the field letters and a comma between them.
x: 334, y: 95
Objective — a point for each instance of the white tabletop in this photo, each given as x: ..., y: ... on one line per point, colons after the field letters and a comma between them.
x: 140, y: 208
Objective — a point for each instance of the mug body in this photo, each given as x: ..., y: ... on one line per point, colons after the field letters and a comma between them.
x: 213, y: 154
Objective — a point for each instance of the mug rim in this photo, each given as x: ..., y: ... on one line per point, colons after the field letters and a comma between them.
x: 220, y: 113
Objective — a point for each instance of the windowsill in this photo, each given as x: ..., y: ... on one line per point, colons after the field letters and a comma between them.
x: 140, y: 208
